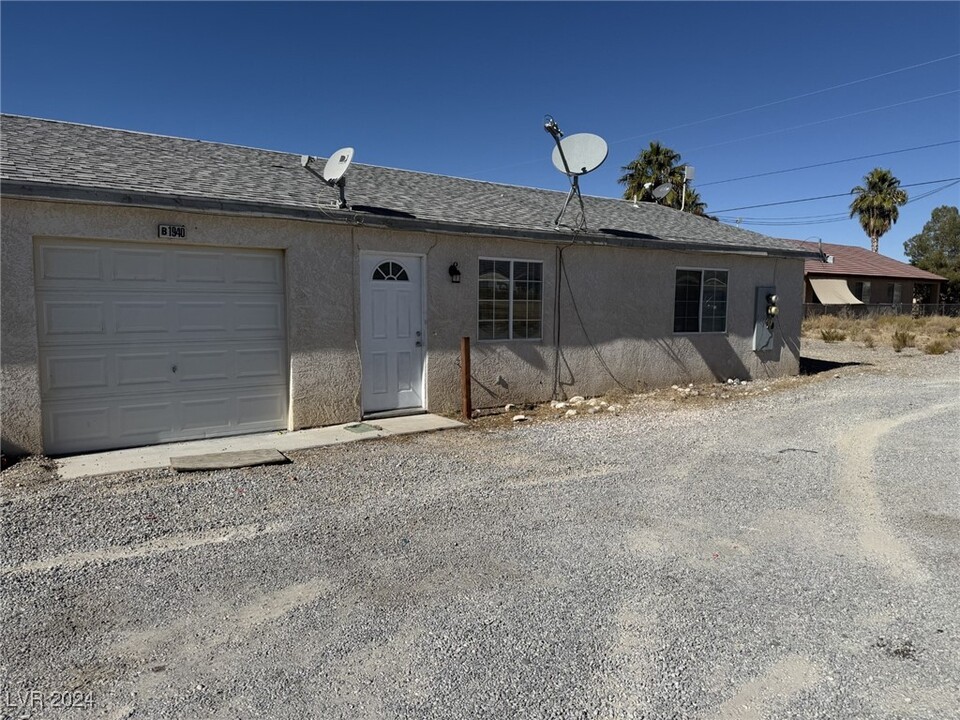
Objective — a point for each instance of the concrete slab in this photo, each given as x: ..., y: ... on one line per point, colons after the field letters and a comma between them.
x: 158, y: 456
x: 221, y: 461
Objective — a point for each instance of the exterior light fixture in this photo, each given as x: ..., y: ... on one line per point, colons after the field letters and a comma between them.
x: 454, y: 273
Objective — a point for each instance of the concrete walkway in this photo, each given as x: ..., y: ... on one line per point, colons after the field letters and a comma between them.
x: 158, y: 456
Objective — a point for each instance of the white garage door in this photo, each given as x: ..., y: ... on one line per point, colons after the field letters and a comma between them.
x: 143, y: 344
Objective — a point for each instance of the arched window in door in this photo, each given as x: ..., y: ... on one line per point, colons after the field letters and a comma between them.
x: 390, y: 271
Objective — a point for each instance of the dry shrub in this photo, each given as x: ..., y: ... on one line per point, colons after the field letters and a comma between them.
x: 940, y: 325
x: 903, y: 339
x: 938, y: 346
x: 868, y: 341
x: 831, y: 335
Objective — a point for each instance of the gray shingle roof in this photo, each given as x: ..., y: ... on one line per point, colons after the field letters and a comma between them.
x: 51, y: 158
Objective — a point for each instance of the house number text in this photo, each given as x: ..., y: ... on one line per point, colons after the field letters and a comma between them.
x: 172, y: 231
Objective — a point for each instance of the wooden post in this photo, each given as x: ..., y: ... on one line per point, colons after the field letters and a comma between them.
x: 465, y: 377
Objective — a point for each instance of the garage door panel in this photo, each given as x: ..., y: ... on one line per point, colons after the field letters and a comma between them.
x: 138, y: 316
x: 262, y: 316
x: 72, y: 317
x: 145, y: 368
x: 254, y: 407
x: 70, y: 372
x: 141, y: 265
x: 145, y: 344
x: 78, y: 427
x: 136, y: 420
x: 211, y: 412
x: 71, y: 262
x: 257, y: 270
x: 266, y: 362
x: 203, y: 316
x: 200, y: 266
x: 196, y: 365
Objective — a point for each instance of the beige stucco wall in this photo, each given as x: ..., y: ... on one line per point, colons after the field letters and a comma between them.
x: 616, y: 325
x: 624, y: 298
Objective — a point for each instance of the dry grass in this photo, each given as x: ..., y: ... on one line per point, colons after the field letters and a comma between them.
x: 832, y: 335
x: 940, y: 333
x: 903, y: 339
x: 937, y: 347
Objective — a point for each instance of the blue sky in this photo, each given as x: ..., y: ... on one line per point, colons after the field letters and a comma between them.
x: 462, y: 88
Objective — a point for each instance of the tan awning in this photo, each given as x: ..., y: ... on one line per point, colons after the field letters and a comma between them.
x: 834, y: 291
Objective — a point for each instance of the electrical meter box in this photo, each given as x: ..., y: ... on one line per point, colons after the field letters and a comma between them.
x: 765, y: 318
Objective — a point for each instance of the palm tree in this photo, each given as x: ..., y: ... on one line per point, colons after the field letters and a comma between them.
x: 654, y: 166
x: 877, y: 204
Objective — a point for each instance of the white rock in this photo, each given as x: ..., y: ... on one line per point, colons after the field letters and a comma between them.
x: 593, y: 402
x: 603, y: 403
x: 614, y: 408
x: 570, y: 413
x: 508, y: 407
x: 557, y: 404
x: 595, y: 409
x: 520, y: 418
x: 674, y: 387
x: 578, y: 400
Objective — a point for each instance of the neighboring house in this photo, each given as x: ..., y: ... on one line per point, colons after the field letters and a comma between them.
x: 859, y: 276
x: 158, y: 289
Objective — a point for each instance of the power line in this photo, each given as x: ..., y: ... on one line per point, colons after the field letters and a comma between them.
x: 826, y: 120
x: 789, y: 99
x: 749, y: 109
x: 831, y: 162
x: 825, y: 197
x: 824, y: 219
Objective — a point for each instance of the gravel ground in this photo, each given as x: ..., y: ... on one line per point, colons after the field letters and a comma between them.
x: 788, y: 552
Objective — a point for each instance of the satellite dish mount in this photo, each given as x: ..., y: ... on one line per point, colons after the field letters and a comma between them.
x: 576, y: 155
x: 334, y: 172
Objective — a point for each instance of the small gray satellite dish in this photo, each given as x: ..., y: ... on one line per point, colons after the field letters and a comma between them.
x: 583, y: 152
x: 660, y: 191
x: 337, y: 165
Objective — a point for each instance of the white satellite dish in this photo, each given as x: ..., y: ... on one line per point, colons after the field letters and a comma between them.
x: 661, y: 191
x: 574, y: 156
x: 583, y: 152
x: 337, y: 165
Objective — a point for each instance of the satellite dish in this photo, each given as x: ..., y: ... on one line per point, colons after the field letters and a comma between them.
x: 661, y: 191
x: 337, y: 165
x: 583, y: 152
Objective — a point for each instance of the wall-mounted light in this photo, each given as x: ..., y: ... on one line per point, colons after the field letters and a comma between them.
x: 454, y: 273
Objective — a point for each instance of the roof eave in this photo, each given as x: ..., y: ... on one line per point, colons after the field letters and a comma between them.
x: 111, y: 196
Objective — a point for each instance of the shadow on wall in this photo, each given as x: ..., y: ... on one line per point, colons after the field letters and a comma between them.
x: 713, y: 351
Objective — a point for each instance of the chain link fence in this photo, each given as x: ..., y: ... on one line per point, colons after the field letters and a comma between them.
x: 879, y: 309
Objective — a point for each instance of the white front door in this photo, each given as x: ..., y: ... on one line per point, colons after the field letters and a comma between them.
x: 391, y: 332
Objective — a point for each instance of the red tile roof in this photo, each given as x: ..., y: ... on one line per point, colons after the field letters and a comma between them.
x: 861, y: 262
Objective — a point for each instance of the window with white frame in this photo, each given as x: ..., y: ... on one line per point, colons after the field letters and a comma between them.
x: 510, y: 300
x: 700, y: 302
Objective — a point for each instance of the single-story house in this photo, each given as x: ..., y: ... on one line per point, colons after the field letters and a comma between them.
x: 158, y: 289
x: 859, y: 276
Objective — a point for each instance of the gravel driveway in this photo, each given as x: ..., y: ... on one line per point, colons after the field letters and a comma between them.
x: 789, y: 553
